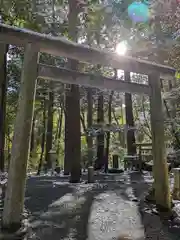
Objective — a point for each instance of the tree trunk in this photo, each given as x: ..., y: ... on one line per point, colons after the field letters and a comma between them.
x: 131, y: 148
x: 171, y: 114
x: 76, y: 136
x: 58, y: 126
x: 72, y: 117
x: 32, y: 136
x: 89, y: 125
x: 121, y: 135
x: 68, y: 123
x: 100, y: 138
x: 59, y: 130
x: 83, y: 124
x: 42, y: 139
x: 3, y: 86
x: 14, y: 200
x: 9, y: 149
x: 108, y: 133
x: 49, y: 133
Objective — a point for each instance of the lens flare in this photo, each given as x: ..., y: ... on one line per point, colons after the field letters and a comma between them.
x: 121, y: 48
x: 138, y: 12
x: 147, y: 2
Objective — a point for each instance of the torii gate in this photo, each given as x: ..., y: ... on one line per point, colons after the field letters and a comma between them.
x: 34, y: 43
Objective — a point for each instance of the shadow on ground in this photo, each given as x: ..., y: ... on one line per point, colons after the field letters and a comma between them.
x: 93, y: 211
x: 63, y: 211
x: 154, y: 227
x: 40, y: 193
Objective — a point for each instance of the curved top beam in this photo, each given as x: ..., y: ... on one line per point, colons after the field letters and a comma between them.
x: 60, y: 46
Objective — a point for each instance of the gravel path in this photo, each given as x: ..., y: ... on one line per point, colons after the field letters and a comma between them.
x: 111, y: 206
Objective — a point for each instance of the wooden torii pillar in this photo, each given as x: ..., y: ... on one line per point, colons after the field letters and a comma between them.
x: 3, y: 85
x: 14, y: 199
x: 160, y: 168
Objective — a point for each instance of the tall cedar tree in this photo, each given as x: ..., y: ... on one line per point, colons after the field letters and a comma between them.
x: 131, y: 148
x: 72, y: 161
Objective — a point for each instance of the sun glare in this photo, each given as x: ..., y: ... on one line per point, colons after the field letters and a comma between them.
x: 121, y: 48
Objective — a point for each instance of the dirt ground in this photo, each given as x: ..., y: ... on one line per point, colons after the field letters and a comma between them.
x: 111, y: 206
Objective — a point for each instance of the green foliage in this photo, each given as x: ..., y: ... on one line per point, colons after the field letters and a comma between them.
x: 102, y: 24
